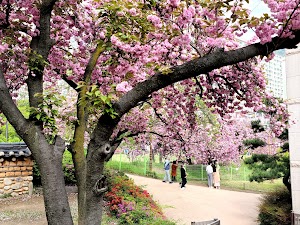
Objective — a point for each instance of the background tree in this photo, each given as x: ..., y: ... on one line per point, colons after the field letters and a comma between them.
x: 117, y: 55
x: 269, y: 166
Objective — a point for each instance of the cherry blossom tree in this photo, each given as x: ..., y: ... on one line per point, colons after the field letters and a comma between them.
x: 119, y: 56
x: 207, y: 137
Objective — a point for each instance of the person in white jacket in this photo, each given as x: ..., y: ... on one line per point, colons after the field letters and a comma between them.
x: 209, y: 171
x: 167, y: 171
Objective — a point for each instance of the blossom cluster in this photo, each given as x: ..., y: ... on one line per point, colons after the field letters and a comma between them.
x: 283, y: 21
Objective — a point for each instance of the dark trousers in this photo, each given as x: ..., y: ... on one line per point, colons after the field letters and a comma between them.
x: 183, y: 182
x: 173, y: 178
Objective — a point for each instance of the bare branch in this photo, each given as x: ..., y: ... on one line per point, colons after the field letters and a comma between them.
x: 71, y: 83
x: 229, y: 84
x: 200, y: 86
x: 119, y: 139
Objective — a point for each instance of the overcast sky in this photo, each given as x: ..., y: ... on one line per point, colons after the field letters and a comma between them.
x: 258, y: 7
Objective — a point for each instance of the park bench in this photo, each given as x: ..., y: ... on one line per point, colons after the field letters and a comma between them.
x: 209, y: 222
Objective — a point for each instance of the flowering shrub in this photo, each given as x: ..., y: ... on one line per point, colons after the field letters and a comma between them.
x: 131, y: 204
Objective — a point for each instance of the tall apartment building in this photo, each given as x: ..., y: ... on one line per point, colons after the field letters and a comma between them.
x: 275, y: 74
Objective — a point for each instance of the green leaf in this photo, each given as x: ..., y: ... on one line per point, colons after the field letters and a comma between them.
x: 103, y: 98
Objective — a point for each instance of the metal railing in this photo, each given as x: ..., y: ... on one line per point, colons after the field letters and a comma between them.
x: 196, y: 172
x: 209, y: 222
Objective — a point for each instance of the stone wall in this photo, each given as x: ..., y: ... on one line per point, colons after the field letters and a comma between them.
x: 16, y: 176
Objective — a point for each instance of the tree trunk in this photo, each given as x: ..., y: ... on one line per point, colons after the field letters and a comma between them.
x: 99, y: 151
x: 80, y: 173
x: 49, y: 160
x: 55, y: 195
x: 95, y: 188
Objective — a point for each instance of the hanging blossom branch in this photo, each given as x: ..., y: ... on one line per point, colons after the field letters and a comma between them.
x: 229, y: 84
x: 200, y: 86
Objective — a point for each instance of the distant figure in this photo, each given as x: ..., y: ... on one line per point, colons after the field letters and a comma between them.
x: 183, y: 175
x: 213, y: 165
x: 174, y: 170
x: 209, y: 171
x: 216, y: 175
x: 167, y: 171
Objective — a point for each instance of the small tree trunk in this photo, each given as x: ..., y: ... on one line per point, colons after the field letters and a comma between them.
x: 79, y: 161
x: 160, y: 157
x: 80, y: 172
x: 150, y: 156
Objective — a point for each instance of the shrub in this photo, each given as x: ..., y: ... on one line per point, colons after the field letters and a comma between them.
x: 275, y: 208
x: 68, y: 168
x: 69, y: 173
x: 152, y: 174
x: 37, y: 181
x: 130, y: 203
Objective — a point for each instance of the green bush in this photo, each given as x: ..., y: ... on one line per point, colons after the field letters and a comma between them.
x: 151, y: 174
x: 69, y: 172
x: 37, y: 181
x: 68, y: 169
x: 275, y: 208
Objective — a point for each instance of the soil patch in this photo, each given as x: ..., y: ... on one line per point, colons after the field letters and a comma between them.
x: 27, y: 210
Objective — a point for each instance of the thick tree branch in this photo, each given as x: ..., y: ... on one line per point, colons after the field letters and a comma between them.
x: 41, y: 45
x: 82, y: 116
x: 10, y: 110
x: 59, y: 147
x: 199, y: 66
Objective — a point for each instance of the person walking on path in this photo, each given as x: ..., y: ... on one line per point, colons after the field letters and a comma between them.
x: 183, y: 175
x: 174, y: 170
x: 209, y: 171
x: 216, y: 175
x: 167, y: 171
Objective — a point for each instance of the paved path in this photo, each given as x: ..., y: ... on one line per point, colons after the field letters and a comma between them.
x: 198, y: 203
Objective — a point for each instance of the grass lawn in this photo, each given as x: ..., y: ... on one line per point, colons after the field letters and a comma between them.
x: 247, y: 186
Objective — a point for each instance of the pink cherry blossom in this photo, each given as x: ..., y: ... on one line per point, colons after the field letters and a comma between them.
x: 123, y: 87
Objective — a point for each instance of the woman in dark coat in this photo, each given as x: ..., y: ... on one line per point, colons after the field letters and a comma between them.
x: 183, y: 176
x: 174, y: 171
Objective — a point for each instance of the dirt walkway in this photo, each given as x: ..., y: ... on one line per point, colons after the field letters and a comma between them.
x: 197, y: 203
